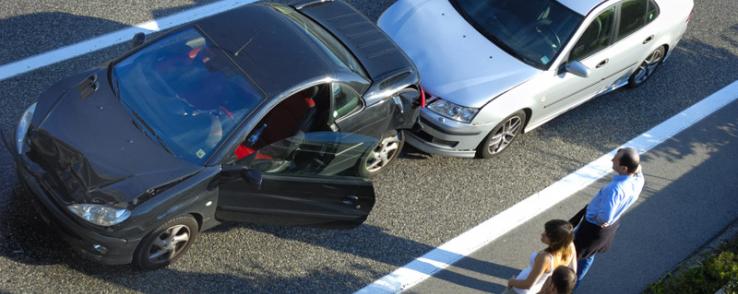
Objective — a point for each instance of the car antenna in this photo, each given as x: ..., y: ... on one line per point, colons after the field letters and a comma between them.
x: 244, y: 46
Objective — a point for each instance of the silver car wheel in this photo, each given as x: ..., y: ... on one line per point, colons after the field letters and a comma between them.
x: 169, y: 243
x: 505, y: 135
x: 646, y: 69
x: 384, y: 152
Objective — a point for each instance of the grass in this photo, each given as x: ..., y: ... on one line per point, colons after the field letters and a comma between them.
x: 719, y: 269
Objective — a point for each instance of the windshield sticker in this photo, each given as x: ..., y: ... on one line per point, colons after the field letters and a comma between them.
x: 200, y: 153
x: 545, y: 60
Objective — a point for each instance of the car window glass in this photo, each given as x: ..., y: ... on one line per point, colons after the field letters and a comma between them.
x: 653, y: 11
x: 534, y: 31
x: 595, y: 37
x: 345, y: 100
x: 632, y: 16
x: 313, y: 154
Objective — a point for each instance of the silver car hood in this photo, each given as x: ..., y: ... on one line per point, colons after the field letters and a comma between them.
x: 455, y: 61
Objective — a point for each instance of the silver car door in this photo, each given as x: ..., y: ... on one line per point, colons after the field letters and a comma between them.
x: 633, y: 41
x: 566, y: 90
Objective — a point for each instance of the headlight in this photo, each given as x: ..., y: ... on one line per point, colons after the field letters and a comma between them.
x: 102, y: 215
x: 453, y: 111
x: 22, y: 130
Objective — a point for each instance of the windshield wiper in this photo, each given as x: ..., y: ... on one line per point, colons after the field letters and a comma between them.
x: 141, y: 124
x: 114, y: 83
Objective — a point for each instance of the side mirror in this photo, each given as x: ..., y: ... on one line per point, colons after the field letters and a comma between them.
x: 138, y: 39
x: 251, y: 176
x: 577, y: 68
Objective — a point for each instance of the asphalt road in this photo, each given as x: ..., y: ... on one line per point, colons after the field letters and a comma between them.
x: 422, y: 200
x: 688, y: 199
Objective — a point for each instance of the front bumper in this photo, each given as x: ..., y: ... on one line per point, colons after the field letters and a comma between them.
x: 85, y: 241
x: 438, y: 135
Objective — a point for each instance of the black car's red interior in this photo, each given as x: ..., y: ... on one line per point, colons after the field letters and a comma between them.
x: 304, y: 111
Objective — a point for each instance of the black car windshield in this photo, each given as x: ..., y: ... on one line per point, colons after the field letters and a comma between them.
x: 186, y: 92
x: 534, y: 31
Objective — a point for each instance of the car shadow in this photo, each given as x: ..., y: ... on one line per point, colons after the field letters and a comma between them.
x: 376, y: 244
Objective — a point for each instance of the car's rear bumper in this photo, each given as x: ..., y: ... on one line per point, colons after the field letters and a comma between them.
x: 449, y: 138
x: 85, y: 241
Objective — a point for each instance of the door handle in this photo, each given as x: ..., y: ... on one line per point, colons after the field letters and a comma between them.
x: 351, y: 200
x: 602, y: 63
x: 648, y: 39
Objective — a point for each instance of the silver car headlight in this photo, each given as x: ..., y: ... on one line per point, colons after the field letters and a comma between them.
x: 453, y: 111
x: 23, y: 125
x: 101, y: 215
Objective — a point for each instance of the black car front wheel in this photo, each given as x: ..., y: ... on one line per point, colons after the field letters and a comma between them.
x: 502, y: 135
x: 167, y: 243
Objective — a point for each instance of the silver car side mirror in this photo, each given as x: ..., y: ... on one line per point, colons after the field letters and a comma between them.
x: 577, y: 68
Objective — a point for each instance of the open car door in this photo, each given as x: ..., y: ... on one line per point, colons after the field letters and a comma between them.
x: 307, y: 179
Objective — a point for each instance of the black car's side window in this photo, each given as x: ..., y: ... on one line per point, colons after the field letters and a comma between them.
x: 632, y: 16
x: 345, y: 100
x: 596, y: 37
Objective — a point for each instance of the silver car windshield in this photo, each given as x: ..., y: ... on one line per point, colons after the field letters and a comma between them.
x: 533, y: 31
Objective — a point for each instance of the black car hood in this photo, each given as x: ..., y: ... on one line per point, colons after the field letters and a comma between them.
x: 90, y: 149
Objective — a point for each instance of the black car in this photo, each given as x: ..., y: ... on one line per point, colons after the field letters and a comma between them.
x: 265, y: 114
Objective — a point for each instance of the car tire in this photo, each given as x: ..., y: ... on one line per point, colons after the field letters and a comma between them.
x: 386, y: 151
x: 647, y: 67
x: 502, y: 135
x: 167, y: 243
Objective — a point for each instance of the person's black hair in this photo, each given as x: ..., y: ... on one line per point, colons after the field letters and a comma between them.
x: 630, y: 159
x: 564, y: 279
x: 560, y: 233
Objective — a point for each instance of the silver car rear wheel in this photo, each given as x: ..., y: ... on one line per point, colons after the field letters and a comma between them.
x: 647, y: 67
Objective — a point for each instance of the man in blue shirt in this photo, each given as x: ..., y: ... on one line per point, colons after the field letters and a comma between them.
x: 595, y: 232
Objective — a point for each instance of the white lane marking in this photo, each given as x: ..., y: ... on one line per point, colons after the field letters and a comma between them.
x: 91, y: 45
x: 463, y: 245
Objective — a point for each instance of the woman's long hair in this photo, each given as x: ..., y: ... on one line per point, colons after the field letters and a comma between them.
x: 560, y: 234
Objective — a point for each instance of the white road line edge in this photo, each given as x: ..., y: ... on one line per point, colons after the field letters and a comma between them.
x: 91, y: 45
x: 463, y: 245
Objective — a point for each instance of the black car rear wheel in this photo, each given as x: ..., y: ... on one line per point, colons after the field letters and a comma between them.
x: 167, y: 243
x: 387, y: 150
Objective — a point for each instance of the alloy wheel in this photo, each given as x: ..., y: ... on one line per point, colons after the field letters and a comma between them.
x: 386, y: 151
x: 505, y: 134
x: 169, y: 243
x: 646, y: 69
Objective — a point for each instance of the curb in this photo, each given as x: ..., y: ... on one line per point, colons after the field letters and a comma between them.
x: 730, y: 232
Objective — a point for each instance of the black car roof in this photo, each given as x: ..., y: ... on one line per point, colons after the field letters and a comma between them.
x: 275, y: 53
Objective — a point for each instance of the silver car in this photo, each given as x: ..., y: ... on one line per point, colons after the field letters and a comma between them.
x: 493, y: 69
